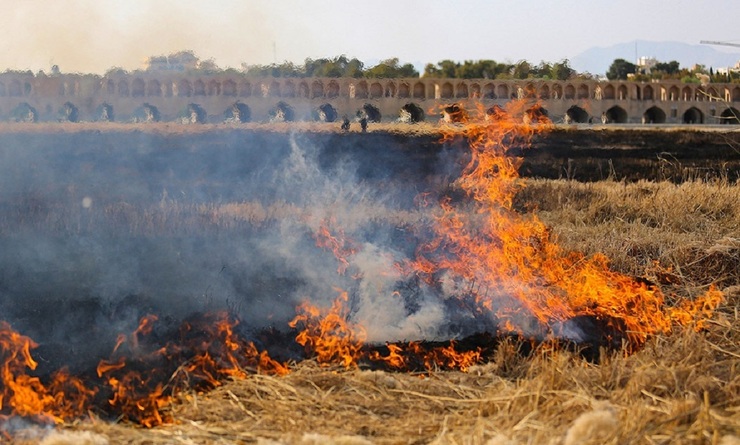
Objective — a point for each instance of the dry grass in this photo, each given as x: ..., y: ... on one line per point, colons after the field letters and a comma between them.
x: 682, y: 389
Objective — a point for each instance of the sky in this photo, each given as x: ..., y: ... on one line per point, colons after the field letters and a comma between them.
x: 91, y: 36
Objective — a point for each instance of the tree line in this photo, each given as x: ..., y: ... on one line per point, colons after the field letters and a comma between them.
x: 622, y: 69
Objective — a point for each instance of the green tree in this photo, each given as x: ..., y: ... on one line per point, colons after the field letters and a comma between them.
x: 391, y: 69
x: 562, y: 70
x: 671, y: 67
x: 619, y: 69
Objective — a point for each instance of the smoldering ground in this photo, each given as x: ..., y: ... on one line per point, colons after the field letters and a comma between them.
x: 100, y: 229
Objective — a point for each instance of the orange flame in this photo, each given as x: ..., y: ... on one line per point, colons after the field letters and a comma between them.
x: 512, y: 256
x: 337, y: 244
x: 328, y: 335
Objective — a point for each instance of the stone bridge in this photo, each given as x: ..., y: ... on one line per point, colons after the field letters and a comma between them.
x: 219, y: 97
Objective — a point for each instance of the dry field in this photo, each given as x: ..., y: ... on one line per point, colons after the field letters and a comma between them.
x: 682, y: 388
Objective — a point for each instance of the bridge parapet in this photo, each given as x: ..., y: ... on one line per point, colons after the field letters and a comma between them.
x: 134, y: 96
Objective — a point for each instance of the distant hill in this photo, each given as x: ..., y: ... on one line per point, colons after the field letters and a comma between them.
x: 597, y: 60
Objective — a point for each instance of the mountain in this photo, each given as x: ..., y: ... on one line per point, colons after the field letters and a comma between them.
x: 597, y: 60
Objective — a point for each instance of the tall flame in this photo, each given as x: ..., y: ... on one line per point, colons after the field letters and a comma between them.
x: 513, y: 257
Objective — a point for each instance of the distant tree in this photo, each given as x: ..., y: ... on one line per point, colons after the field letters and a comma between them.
x: 341, y: 66
x: 671, y: 67
x: 619, y: 69
x: 431, y: 70
x: 115, y: 71
x: 390, y: 68
x: 208, y: 66
x: 562, y: 70
x: 522, y: 70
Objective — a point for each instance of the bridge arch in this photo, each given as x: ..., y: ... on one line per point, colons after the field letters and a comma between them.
x: 404, y: 91
x: 123, y: 88
x: 15, y: 89
x: 530, y: 92
x: 238, y: 112
x: 570, y: 92
x: 557, y: 91
x: 372, y: 112
x: 502, y: 91
x: 332, y: 90
x: 693, y: 116
x: 376, y: 90
x: 184, y: 88
x: 325, y: 113
x: 390, y: 89
x: 648, y: 93
x: 273, y: 90
x: 147, y: 113
x: 199, y: 88
x: 489, y: 91
x: 104, y: 113
x: 462, y: 90
x: 700, y: 94
x: 195, y: 114
x: 713, y: 95
x: 303, y: 90
x: 69, y: 113
x: 411, y: 113
x: 289, y: 89
x: 735, y: 95
x: 361, y: 90
x: 730, y: 116
x: 622, y: 92
x: 583, y: 91
x: 153, y: 88
x: 214, y: 88
x: 229, y: 88
x: 674, y: 93
x: 420, y: 91
x: 110, y: 86
x: 544, y: 92
x: 138, y: 87
x: 24, y: 112
x: 245, y: 89
x: 2, y: 90
x: 317, y: 89
x: 475, y: 91
x: 282, y: 112
x: 609, y: 92
x: 654, y: 115
x: 617, y: 115
x: 446, y: 91
x: 577, y: 114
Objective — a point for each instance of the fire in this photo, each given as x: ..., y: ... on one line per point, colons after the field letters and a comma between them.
x: 512, y: 256
x: 338, y: 244
x: 25, y: 395
x: 506, y: 263
x: 328, y: 335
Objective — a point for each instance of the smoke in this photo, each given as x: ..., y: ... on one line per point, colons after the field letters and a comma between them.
x: 88, y: 36
x: 100, y: 229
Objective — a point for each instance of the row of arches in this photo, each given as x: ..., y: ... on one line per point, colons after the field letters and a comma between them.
x: 15, y: 88
x: 238, y: 112
x: 421, y: 90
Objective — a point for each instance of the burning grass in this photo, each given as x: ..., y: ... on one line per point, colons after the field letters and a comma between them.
x: 662, y: 364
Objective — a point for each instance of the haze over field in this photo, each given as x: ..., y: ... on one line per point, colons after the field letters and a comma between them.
x: 92, y: 36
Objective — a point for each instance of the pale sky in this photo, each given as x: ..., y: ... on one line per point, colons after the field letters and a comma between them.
x: 94, y: 35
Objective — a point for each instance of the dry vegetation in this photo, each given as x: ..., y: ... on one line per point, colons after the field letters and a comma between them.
x: 680, y: 389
